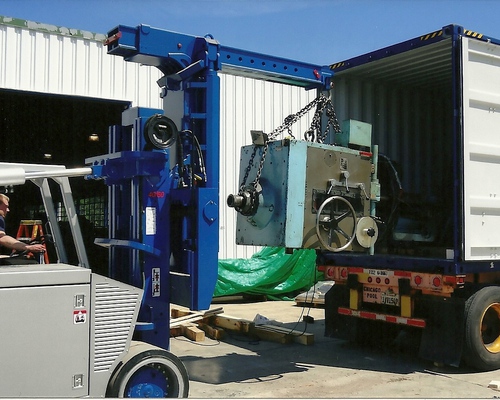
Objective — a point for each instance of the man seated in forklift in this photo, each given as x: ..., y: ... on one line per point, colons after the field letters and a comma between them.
x: 9, y: 241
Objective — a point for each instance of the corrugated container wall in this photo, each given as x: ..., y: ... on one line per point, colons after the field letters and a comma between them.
x: 47, y: 59
x: 407, y: 99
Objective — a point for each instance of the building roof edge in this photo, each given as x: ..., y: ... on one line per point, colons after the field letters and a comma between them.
x: 51, y: 29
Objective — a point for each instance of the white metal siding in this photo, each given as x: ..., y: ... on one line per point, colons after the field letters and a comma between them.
x: 250, y: 104
x: 44, y: 62
x: 481, y: 116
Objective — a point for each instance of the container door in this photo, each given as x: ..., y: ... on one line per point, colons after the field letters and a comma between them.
x: 481, y: 119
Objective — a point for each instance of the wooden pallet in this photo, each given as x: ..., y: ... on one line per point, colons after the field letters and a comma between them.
x: 309, y: 301
x: 190, y: 324
x: 214, y: 323
x: 314, y: 298
x: 267, y: 332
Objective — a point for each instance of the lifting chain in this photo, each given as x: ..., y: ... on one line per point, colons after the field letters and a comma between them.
x: 321, y: 103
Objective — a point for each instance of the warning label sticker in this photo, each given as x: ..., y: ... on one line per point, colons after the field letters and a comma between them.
x: 79, y: 316
x: 155, y: 281
x: 150, y: 220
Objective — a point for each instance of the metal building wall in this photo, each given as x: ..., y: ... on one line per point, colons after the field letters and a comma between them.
x: 249, y: 104
x: 48, y: 59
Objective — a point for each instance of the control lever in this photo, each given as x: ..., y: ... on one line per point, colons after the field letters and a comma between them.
x: 346, y: 175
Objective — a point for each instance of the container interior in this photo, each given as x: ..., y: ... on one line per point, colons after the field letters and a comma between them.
x: 408, y: 100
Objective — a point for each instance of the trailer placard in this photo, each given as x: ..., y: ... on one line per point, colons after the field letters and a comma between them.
x: 388, y: 295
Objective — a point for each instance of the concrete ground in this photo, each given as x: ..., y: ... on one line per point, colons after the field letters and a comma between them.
x: 241, y: 366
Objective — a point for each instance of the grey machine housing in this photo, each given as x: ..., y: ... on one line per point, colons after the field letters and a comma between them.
x: 83, y: 325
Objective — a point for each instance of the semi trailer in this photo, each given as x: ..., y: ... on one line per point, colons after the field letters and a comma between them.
x: 400, y: 199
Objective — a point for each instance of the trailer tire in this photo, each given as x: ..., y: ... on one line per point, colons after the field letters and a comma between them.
x: 482, y: 329
x: 149, y: 371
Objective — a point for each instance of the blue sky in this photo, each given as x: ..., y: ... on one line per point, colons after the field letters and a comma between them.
x: 315, y: 31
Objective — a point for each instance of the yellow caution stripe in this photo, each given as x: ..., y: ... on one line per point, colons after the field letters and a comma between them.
x: 431, y: 35
x: 473, y: 34
x: 337, y: 65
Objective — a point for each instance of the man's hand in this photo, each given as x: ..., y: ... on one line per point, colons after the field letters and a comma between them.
x: 37, y: 248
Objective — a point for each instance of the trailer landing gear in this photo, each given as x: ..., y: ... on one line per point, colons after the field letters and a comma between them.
x: 149, y: 371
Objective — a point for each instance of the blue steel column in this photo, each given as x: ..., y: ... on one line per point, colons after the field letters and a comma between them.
x: 208, y: 197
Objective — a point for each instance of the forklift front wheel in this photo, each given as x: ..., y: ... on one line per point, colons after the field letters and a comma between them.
x: 482, y: 329
x: 149, y: 371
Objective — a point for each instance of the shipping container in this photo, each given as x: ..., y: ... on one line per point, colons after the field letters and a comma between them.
x: 434, y: 106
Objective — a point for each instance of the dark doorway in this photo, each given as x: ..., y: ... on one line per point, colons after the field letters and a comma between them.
x: 63, y: 130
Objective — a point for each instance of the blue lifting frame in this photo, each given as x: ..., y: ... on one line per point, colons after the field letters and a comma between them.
x: 164, y: 203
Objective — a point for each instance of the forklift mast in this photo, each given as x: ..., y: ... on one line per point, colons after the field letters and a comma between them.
x: 163, y: 168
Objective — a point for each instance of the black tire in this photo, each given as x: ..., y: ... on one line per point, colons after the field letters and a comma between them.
x: 150, y: 373
x: 482, y: 329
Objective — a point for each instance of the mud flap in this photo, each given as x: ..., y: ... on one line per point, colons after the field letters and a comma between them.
x: 442, y: 337
x: 336, y: 325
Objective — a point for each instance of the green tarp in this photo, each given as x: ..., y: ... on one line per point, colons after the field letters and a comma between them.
x: 269, y: 272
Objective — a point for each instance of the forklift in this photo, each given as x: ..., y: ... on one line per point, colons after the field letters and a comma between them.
x: 69, y: 332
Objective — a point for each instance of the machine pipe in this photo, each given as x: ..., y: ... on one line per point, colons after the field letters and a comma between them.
x: 59, y: 174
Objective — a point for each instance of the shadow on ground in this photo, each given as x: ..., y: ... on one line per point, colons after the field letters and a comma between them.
x: 240, y: 358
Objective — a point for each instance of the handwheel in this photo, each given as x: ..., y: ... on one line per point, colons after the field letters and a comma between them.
x: 149, y: 371
x: 482, y: 329
x: 331, y: 224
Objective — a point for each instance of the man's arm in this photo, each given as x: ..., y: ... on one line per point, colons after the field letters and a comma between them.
x: 14, y: 244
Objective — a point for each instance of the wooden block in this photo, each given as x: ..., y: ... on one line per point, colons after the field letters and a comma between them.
x: 270, y: 335
x: 176, y: 331
x: 231, y: 323
x: 294, y: 335
x: 306, y: 339
x: 193, y: 333
x: 177, y: 312
x: 213, y: 332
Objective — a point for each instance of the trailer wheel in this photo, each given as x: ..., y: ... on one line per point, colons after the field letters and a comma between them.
x: 482, y: 329
x: 149, y: 371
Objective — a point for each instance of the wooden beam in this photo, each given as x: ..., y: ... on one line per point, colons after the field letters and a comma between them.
x: 194, y: 316
x: 283, y: 335
x: 213, y: 332
x: 231, y: 323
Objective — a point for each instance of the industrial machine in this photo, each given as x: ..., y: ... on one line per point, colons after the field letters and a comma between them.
x: 87, y: 334
x: 320, y: 196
